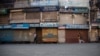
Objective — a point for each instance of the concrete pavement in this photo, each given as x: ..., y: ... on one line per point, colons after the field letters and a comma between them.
x: 91, y: 49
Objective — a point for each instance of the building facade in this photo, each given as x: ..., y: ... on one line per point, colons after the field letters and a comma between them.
x: 54, y: 21
x: 94, y: 21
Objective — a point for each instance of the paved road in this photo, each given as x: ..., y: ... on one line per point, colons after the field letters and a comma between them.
x: 92, y: 49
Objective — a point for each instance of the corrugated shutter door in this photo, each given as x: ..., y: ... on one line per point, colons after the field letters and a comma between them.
x: 24, y: 35
x: 34, y: 15
x: 72, y: 35
x: 4, y: 19
x: 50, y: 35
x: 17, y: 15
x: 6, y: 35
x: 49, y: 16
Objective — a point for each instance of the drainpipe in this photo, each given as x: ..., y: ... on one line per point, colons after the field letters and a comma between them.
x: 73, y: 18
x: 90, y: 25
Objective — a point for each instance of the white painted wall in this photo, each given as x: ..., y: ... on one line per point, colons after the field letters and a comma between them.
x: 61, y: 36
x: 67, y: 19
x: 93, y: 35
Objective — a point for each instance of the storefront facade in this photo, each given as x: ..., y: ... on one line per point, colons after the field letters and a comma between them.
x: 73, y: 31
x: 49, y: 32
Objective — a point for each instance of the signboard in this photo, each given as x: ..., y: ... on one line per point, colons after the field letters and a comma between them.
x: 44, y: 3
x: 74, y: 3
x: 20, y: 26
x: 62, y: 27
x: 75, y: 9
x: 34, y: 25
x: 7, y: 26
x: 34, y: 9
x: 76, y: 26
x: 1, y: 27
x: 50, y: 8
x: 48, y: 24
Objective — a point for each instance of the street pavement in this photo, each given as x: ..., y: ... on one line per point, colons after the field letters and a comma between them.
x: 86, y: 49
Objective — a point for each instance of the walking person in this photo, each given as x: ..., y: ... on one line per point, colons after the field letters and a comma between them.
x: 80, y: 39
x: 35, y: 38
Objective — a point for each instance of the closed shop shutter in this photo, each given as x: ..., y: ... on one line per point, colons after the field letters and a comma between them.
x: 49, y: 16
x: 4, y: 19
x: 24, y: 35
x: 33, y: 17
x: 31, y: 33
x: 72, y: 35
x: 6, y: 35
x: 17, y: 16
x: 49, y: 35
x: 94, y: 34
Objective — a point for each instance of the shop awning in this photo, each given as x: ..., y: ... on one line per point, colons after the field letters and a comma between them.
x: 76, y: 26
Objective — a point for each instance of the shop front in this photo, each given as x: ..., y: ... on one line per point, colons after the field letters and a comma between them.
x: 24, y: 32
x: 6, y: 34
x: 20, y: 32
x: 49, y: 32
x: 73, y: 32
x: 95, y: 34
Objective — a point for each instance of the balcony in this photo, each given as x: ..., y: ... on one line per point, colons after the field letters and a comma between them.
x: 18, y: 16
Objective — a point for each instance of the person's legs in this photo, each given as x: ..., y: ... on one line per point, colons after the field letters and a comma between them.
x: 79, y: 41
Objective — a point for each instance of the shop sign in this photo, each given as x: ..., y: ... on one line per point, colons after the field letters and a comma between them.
x: 75, y: 9
x: 1, y: 27
x: 74, y: 3
x: 34, y: 9
x: 48, y: 24
x: 76, y: 26
x: 80, y: 10
x: 6, y: 26
x: 34, y: 25
x: 62, y: 27
x: 20, y: 26
x: 50, y: 8
x: 44, y: 3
